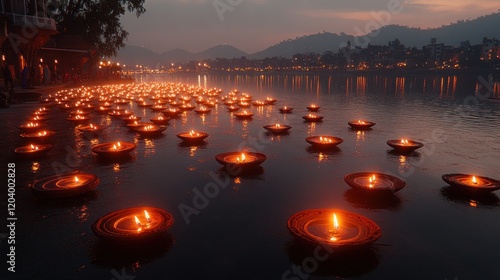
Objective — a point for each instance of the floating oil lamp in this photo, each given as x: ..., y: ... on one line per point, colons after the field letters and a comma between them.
x: 229, y: 102
x: 40, y: 135
x: 202, y: 110
x: 246, y: 160
x: 210, y: 104
x: 113, y: 149
x: 373, y: 181
x: 232, y: 108
x: 258, y: 103
x: 404, y: 145
x: 131, y: 119
x: 79, y: 112
x: 361, y: 124
x: 158, y: 108
x: 133, y: 225
x: 136, y: 124
x: 40, y: 112
x: 67, y: 185
x: 30, y: 127
x: 90, y: 128
x: 285, y: 109
x: 120, y: 114
x: 244, y: 104
x: 312, y: 118
x: 313, y: 108
x: 277, y: 128
x: 103, y: 110
x: 144, y: 104
x: 160, y: 120
x: 78, y: 119
x: 150, y: 129
x: 243, y: 115
x: 38, y: 118
x: 471, y: 183
x: 172, y: 112
x: 324, y: 141
x: 192, y: 137
x: 187, y: 107
x: 121, y: 102
x: 33, y: 150
x: 334, y: 228
x: 270, y: 100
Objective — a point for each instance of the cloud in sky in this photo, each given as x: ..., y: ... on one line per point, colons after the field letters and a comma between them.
x: 253, y: 25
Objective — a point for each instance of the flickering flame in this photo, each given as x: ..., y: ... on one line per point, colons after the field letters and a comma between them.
x: 119, y: 145
x: 137, y: 222
x: 361, y: 122
x: 76, y: 179
x: 404, y: 142
x: 92, y: 126
x: 335, y: 222
x: 278, y: 125
x: 474, y: 180
x: 32, y: 147
x: 114, y: 147
x: 146, y: 214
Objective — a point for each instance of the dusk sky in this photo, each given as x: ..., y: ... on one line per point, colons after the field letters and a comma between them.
x: 253, y: 25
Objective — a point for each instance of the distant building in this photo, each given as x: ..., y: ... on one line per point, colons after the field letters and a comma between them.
x: 436, y: 50
x: 26, y: 27
x: 491, y: 49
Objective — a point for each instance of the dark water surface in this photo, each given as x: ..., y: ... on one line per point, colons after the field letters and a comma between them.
x: 428, y: 231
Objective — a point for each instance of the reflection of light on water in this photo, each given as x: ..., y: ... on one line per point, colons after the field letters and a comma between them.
x: 94, y: 141
x: 149, y: 144
x: 402, y: 159
x: 192, y: 151
x: 237, y: 180
x: 149, y: 147
x: 260, y: 110
x: 360, y: 135
x: 473, y: 203
x: 116, y: 167
x: 108, y: 120
x: 203, y: 118
x: 35, y: 166
x: 311, y: 128
x: 322, y: 157
x: 83, y: 214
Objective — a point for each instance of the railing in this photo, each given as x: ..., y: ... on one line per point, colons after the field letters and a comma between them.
x: 39, y: 22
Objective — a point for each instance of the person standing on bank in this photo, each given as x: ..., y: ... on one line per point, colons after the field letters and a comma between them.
x: 7, y: 77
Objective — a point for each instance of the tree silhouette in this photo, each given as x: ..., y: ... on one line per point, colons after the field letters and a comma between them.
x: 97, y: 21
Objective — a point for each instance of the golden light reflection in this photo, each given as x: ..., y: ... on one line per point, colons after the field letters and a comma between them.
x: 473, y: 203
x: 360, y: 135
x: 35, y: 166
x: 237, y: 180
x: 192, y: 151
x: 322, y: 157
x: 311, y: 128
x: 116, y: 167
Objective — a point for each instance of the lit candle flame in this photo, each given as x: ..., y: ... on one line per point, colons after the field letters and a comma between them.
x: 474, y: 180
x: 335, y: 222
x: 76, y: 179
x: 137, y: 222
x: 278, y: 125
x: 146, y: 214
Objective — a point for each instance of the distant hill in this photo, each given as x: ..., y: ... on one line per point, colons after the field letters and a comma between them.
x: 222, y: 51
x: 472, y: 30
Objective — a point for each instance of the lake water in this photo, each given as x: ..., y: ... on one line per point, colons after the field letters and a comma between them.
x: 428, y: 231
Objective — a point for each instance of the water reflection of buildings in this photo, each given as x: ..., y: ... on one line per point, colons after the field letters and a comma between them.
x: 359, y: 85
